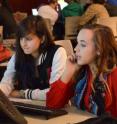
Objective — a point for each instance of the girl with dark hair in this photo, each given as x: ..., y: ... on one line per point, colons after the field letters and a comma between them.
x: 34, y: 71
x: 96, y: 63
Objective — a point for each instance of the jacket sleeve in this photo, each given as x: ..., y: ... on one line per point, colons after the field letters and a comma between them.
x: 8, y: 79
x: 59, y: 94
x: 113, y: 87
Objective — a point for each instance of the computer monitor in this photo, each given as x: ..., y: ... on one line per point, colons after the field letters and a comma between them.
x: 62, y: 3
x: 34, y: 12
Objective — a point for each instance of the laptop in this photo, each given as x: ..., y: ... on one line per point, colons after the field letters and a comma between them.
x: 36, y: 107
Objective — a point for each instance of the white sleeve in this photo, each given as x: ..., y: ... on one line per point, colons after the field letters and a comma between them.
x: 6, y: 84
x: 58, y: 66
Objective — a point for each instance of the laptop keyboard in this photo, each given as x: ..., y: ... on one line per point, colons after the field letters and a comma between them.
x: 38, y: 110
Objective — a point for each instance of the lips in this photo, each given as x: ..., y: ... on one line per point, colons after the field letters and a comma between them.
x: 78, y: 57
x: 25, y: 48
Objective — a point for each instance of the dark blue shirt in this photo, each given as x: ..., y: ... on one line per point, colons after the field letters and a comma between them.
x: 112, y: 2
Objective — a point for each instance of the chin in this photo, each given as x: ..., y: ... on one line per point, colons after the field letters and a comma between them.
x: 27, y: 53
x: 80, y: 63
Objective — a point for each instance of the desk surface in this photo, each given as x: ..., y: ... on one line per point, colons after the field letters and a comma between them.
x: 72, y: 117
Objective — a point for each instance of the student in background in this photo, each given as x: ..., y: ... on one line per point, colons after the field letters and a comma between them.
x: 96, y: 64
x: 112, y: 2
x: 34, y: 71
x: 94, y: 12
x: 112, y: 9
x: 49, y: 11
x: 74, y: 8
x: 7, y: 20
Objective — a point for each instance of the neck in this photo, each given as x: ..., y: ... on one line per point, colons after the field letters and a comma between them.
x: 35, y: 55
x: 93, y: 69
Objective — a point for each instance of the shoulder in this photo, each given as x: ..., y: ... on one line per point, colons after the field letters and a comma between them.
x: 95, y: 6
x: 114, y: 72
x: 60, y: 51
x: 60, y: 56
x: 57, y: 50
x: 12, y: 60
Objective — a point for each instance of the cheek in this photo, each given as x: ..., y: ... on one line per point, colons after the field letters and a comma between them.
x: 35, y: 44
x: 90, y: 56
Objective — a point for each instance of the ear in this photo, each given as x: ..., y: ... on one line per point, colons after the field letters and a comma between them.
x: 98, y: 53
x: 43, y: 39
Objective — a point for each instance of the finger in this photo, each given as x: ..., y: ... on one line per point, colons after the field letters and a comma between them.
x: 72, y: 58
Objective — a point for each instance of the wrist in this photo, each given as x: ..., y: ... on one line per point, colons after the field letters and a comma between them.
x: 22, y: 93
x: 65, y: 78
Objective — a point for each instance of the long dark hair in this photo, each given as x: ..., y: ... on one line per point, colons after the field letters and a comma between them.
x: 105, y: 119
x: 99, y: 1
x: 25, y: 64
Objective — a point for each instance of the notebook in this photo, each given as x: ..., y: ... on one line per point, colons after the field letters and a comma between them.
x: 8, y: 113
x: 33, y: 107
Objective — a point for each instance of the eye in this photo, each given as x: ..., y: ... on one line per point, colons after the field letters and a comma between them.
x: 83, y: 45
x: 28, y: 38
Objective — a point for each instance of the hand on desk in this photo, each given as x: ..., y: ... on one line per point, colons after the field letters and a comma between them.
x: 15, y: 93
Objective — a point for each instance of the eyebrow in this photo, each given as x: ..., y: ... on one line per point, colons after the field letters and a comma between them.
x: 83, y: 41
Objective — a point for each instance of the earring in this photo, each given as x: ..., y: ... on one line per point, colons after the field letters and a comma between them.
x: 43, y: 39
x: 98, y: 53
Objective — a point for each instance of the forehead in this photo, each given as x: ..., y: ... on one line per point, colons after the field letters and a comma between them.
x: 85, y: 34
x: 28, y: 35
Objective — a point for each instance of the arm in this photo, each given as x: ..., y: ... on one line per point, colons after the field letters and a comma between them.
x: 63, y: 89
x: 112, y: 82
x: 7, y: 81
x: 88, y: 15
x: 57, y: 69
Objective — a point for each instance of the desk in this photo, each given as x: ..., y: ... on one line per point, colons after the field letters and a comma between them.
x: 72, y: 117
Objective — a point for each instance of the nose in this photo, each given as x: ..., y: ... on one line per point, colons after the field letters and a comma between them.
x: 76, y: 49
